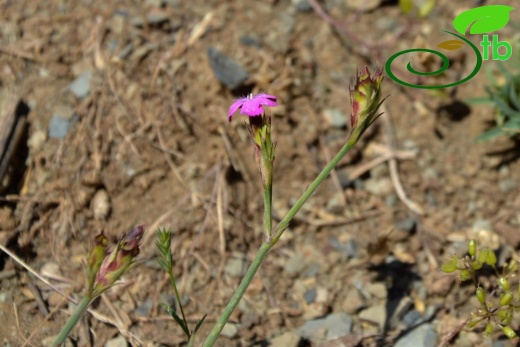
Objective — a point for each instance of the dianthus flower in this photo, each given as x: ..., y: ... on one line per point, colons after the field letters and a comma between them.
x: 252, y: 106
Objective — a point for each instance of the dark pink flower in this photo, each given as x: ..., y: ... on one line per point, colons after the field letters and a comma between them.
x: 252, y: 105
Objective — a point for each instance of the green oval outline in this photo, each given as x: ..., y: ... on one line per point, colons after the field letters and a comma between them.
x: 445, y: 65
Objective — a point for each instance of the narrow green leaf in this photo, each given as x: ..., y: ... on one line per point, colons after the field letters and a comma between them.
x: 513, y: 96
x: 508, y: 111
x: 490, y: 134
x: 482, y: 100
x: 199, y: 323
x: 179, y: 321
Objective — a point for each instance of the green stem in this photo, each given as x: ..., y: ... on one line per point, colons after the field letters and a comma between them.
x: 237, y: 296
x: 76, y: 315
x: 268, y: 219
x: 177, y: 296
x: 271, y: 241
x: 284, y: 223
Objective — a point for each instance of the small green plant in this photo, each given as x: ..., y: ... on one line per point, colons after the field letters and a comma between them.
x: 505, y: 96
x: 497, y: 309
x: 421, y: 8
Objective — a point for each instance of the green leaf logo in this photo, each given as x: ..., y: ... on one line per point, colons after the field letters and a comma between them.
x: 483, y: 19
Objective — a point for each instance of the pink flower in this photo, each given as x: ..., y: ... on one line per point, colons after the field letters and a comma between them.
x: 252, y: 105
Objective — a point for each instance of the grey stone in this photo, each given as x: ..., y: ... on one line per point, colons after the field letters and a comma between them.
x: 235, y: 267
x: 249, y: 40
x: 407, y: 224
x: 335, y: 118
x: 310, y: 295
x: 295, y: 265
x: 334, y: 325
x: 287, y: 339
x: 301, y: 5
x: 227, y: 70
x: 506, y: 185
x: 377, y: 290
x: 353, y: 301
x: 144, y: 308
x: 59, y: 127
x: 6, y: 297
x: 230, y: 330
x: 81, y: 85
x: 335, y: 204
x: 424, y: 336
x: 379, y: 187
x: 375, y: 315
x: 118, y: 341
x: 412, y: 318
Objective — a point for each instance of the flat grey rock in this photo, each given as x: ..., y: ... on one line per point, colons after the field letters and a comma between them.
x: 227, y: 70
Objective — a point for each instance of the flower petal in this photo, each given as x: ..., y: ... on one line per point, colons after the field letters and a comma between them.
x: 235, y: 106
x: 266, y: 99
x: 252, y: 108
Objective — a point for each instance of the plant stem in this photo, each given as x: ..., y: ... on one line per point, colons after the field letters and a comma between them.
x: 177, y: 296
x: 268, y: 219
x: 284, y: 223
x: 271, y: 241
x: 73, y: 320
x: 237, y: 296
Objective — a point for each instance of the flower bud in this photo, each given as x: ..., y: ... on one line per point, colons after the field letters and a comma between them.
x: 481, y: 295
x: 95, y: 258
x: 506, y: 298
x: 119, y: 261
x: 510, y: 333
x: 503, y: 282
x: 365, y: 100
x: 472, y: 247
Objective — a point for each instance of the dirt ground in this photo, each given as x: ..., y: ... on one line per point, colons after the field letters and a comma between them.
x: 147, y: 141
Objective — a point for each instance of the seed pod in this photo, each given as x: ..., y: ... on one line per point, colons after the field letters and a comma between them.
x: 481, y: 295
x: 491, y: 259
x: 450, y: 266
x: 512, y: 266
x: 489, y: 330
x: 476, y: 265
x: 503, y: 314
x: 510, y: 333
x: 503, y: 283
x: 482, y: 256
x: 464, y: 275
x: 472, y: 247
x: 474, y: 322
x: 506, y: 298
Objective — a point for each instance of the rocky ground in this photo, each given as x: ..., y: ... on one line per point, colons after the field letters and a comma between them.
x: 123, y: 112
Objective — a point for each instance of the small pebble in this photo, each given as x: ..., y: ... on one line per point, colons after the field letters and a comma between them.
x: 227, y: 70
x: 81, y: 85
x: 100, y: 205
x: 118, y: 341
x: 235, y: 267
x: 424, y: 336
x: 230, y: 330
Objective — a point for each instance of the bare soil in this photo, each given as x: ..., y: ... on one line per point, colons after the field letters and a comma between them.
x: 150, y: 144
